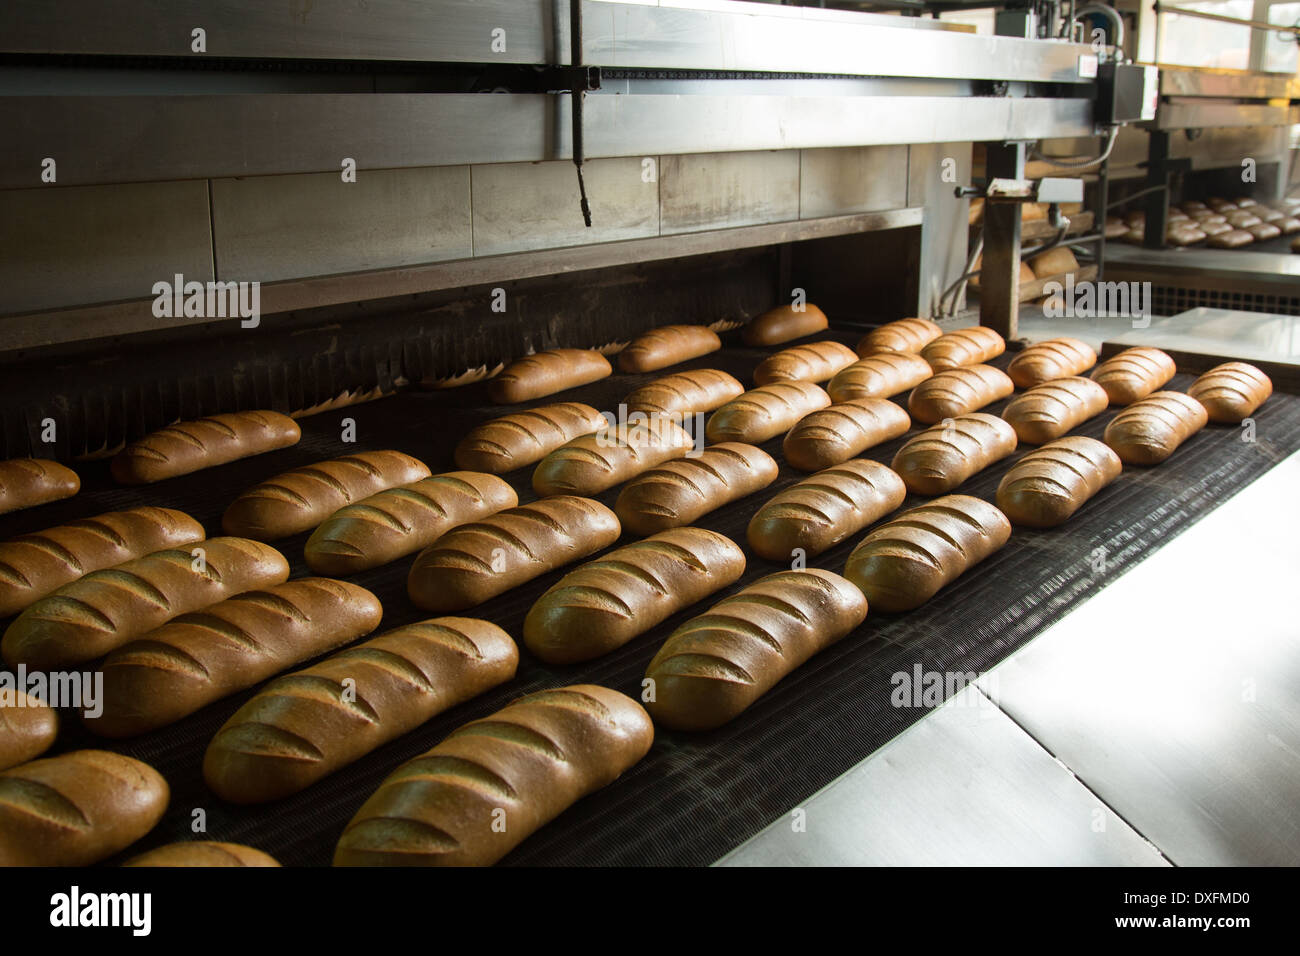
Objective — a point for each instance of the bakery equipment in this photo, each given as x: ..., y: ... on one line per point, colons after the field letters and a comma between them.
x: 788, y: 149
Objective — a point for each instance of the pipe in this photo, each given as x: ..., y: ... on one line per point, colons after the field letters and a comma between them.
x: 1111, y: 14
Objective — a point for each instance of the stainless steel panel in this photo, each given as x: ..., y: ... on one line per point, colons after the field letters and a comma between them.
x: 120, y: 318
x: 725, y: 36
x: 834, y: 182
x: 1204, y: 81
x: 1174, y: 694
x: 60, y: 246
x: 522, y: 206
x: 1190, y: 114
x: 1215, y: 267
x: 283, y: 227
x: 450, y: 30
x: 944, y: 246
x: 719, y: 190
x: 1249, y: 336
x: 145, y: 138
x: 963, y: 787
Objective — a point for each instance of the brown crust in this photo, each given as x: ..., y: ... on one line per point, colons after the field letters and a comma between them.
x: 1048, y: 411
x: 685, y: 393
x: 204, y: 853
x: 1133, y: 374
x: 1051, y: 359
x: 525, y: 438
x: 879, y: 376
x: 843, y: 431
x: 545, y: 373
x: 668, y: 345
x: 783, y: 324
x: 765, y: 412
x: 595, y: 463
x: 28, y: 728
x: 1149, y: 431
x: 1048, y: 485
x: 958, y: 391
x: 187, y: 447
x: 814, y: 362
x: 943, y: 457
x: 1232, y: 391
x: 682, y: 491
x: 970, y: 346
x: 903, y: 335
x: 28, y: 482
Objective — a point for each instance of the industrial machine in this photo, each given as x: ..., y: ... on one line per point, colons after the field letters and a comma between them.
x: 357, y: 212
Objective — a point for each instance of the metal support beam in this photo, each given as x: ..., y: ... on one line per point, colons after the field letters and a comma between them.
x: 1000, y: 271
x: 1157, y: 201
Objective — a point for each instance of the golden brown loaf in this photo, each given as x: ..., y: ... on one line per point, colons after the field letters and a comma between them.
x: 668, y: 345
x: 1229, y: 392
x: 304, y: 726
x: 783, y: 324
x: 716, y: 665
x: 1054, y: 262
x: 192, y: 446
x: 106, y: 609
x: 905, y: 335
x: 1133, y: 374
x: 964, y: 347
x: 1052, y: 359
x: 815, y: 362
x: 401, y: 521
x: 765, y: 412
x: 1047, y: 486
x: 946, y: 455
x: 77, y: 808
x: 203, y: 853
x: 1232, y: 239
x: 485, y: 558
x: 299, y: 500
x: 607, y: 602
x: 481, y: 792
x: 903, y: 563
x: 1242, y: 218
x: 879, y: 376
x: 682, y: 491
x: 1050, y: 410
x: 824, y: 509
x: 545, y: 373
x: 684, y: 393
x: 201, y: 657
x: 33, y: 565
x: 595, y: 463
x: 958, y: 391
x: 1149, y: 431
x: 28, y: 482
x: 1263, y: 231
x: 525, y: 438
x: 843, y: 431
x: 28, y: 727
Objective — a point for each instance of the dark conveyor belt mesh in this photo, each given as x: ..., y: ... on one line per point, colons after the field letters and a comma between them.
x: 696, y: 796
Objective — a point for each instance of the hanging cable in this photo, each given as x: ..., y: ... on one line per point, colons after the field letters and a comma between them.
x: 579, y: 93
x: 1081, y: 164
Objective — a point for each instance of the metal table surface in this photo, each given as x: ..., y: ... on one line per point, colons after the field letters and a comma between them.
x: 1170, y: 701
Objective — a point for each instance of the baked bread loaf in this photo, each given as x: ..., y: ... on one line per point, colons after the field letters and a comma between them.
x: 28, y: 482
x: 668, y: 345
x: 958, y: 391
x: 607, y: 602
x: 77, y: 808
x: 402, y: 521
x: 106, y: 609
x: 783, y: 324
x: 1232, y: 239
x: 1052, y: 359
x: 187, y: 447
x: 843, y: 431
x: 303, y: 727
x: 905, y: 562
x: 1213, y: 228
x: 1047, y: 486
x: 1133, y: 374
x: 204, y: 853
x: 1243, y: 219
x: 28, y: 727
x: 681, y: 492
x: 716, y: 665
x: 481, y: 792
x: 824, y: 509
x: 1263, y: 231
x: 964, y: 347
x: 945, y: 456
x: 525, y: 438
x: 684, y: 393
x: 904, y: 335
x: 485, y: 558
x: 545, y: 373
x: 1289, y: 226
x: 1229, y: 392
x: 1149, y: 431
x: 1054, y: 262
x: 814, y: 362
x: 879, y: 376
x: 1048, y: 411
x: 299, y: 500
x: 34, y: 565
x: 765, y: 412
x: 595, y: 463
x: 201, y: 657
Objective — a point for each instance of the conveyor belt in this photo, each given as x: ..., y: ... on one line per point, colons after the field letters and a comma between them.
x: 696, y: 796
